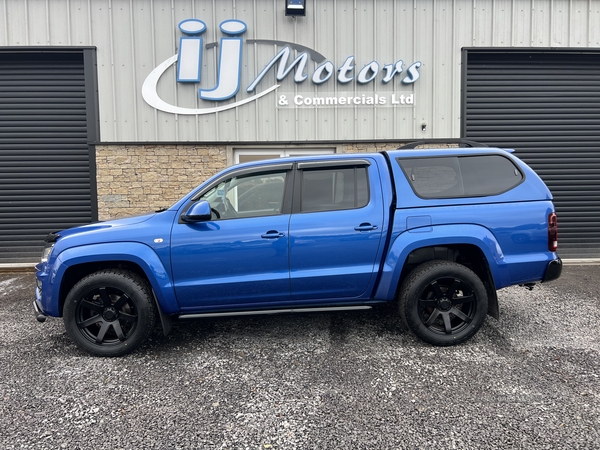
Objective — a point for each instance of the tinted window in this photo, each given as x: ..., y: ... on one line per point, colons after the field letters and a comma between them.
x: 247, y: 196
x: 464, y: 176
x: 334, y: 189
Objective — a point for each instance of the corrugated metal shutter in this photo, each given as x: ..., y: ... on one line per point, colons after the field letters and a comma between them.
x: 45, y: 168
x: 546, y: 105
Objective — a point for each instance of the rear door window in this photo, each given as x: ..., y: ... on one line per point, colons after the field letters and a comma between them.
x: 334, y: 189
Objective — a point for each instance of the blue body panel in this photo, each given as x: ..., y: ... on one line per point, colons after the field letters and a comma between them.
x: 329, y: 258
x: 133, y: 252
x: 294, y: 258
x: 225, y: 264
x: 142, y: 240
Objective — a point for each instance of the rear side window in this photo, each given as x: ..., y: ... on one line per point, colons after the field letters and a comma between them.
x: 334, y: 189
x: 461, y: 176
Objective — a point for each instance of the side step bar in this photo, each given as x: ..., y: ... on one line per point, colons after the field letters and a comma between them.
x: 275, y: 311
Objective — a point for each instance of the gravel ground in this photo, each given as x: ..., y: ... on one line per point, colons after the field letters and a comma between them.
x: 323, y: 381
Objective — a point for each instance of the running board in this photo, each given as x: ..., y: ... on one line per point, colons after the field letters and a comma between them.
x: 275, y: 311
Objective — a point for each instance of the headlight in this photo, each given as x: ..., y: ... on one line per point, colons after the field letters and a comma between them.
x: 50, y: 240
x: 46, y: 252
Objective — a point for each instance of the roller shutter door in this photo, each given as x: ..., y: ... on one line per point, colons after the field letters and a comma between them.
x: 46, y: 121
x: 546, y: 105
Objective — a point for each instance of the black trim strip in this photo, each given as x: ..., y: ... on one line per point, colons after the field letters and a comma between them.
x: 333, y: 163
x: 275, y: 311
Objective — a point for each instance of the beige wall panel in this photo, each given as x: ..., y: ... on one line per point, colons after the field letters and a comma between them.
x: 560, y: 26
x: 323, y: 120
x: 425, y: 52
x: 440, y: 122
x: 134, y: 36
x: 246, y: 126
x: 541, y: 23
x: 463, y: 33
x: 365, y: 45
x: 502, y: 34
x: 344, y: 47
x: 126, y: 90
x: 144, y: 60
x: 388, y: 48
x: 483, y: 23
x: 38, y: 30
x: 165, y: 40
x: 521, y: 28
x: 102, y: 40
x: 79, y: 21
x: 578, y: 13
x: 593, y: 19
x: 186, y: 93
x: 16, y: 26
x: 63, y: 24
x: 406, y: 33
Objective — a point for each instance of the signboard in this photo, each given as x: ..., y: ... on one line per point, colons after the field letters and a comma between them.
x: 189, y: 63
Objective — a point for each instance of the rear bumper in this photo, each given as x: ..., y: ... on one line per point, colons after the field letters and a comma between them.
x: 553, y: 270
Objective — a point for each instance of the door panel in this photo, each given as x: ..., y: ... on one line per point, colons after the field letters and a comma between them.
x: 225, y: 263
x: 240, y: 257
x: 336, y: 234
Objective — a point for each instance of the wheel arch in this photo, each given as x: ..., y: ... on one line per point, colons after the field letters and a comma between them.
x: 76, y: 263
x: 468, y: 255
x: 471, y: 245
x: 76, y: 272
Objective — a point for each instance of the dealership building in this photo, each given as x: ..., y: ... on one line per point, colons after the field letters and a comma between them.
x: 118, y: 107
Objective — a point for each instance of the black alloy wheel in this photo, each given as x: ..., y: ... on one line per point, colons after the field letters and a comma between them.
x: 443, y: 302
x: 109, y: 313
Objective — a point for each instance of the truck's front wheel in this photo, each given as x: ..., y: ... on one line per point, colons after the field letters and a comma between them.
x: 109, y: 313
x: 443, y: 302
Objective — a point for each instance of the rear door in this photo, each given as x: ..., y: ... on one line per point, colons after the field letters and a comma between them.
x: 336, y: 229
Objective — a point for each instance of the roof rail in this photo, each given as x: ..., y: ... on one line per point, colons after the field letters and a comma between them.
x: 461, y: 143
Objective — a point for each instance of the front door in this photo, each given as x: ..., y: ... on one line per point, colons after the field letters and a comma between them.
x: 238, y: 259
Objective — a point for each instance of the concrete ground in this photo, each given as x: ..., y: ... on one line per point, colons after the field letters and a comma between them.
x: 323, y: 381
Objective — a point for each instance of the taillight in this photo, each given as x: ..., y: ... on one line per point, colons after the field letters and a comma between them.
x: 552, y: 232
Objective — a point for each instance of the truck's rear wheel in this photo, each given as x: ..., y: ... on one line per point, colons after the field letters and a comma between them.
x: 109, y: 313
x: 443, y: 302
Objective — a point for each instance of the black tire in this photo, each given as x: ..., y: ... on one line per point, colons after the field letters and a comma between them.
x: 443, y: 302
x: 109, y: 313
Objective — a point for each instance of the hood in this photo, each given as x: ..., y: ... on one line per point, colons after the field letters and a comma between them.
x: 105, y: 225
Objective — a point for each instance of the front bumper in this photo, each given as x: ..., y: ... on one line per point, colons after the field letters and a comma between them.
x: 553, y: 270
x: 39, y: 315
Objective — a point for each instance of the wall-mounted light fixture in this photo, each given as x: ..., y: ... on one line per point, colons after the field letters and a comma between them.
x: 295, y: 7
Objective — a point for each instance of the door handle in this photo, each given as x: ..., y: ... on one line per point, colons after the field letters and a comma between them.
x: 365, y: 227
x: 273, y: 234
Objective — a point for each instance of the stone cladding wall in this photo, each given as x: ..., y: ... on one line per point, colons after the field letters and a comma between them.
x: 370, y: 147
x: 135, y: 179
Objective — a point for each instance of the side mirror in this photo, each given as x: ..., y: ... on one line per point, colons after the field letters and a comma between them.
x: 198, y: 212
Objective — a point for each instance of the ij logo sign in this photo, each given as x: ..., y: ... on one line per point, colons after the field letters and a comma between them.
x: 189, y: 61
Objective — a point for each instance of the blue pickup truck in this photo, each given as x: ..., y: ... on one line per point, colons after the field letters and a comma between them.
x: 437, y: 231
